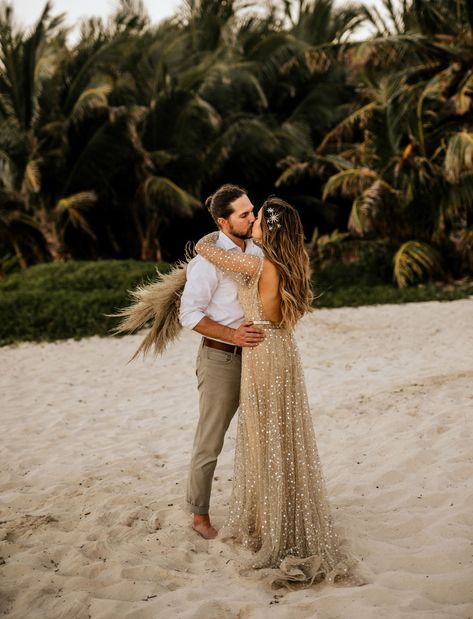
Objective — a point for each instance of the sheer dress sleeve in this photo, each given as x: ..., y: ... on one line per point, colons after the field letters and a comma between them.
x: 244, y: 268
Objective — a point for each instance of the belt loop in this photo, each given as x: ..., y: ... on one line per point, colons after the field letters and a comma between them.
x: 235, y: 351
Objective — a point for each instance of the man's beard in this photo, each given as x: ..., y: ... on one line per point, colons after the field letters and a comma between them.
x: 241, y: 235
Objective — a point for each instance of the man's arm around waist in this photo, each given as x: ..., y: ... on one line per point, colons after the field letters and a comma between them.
x: 245, y: 335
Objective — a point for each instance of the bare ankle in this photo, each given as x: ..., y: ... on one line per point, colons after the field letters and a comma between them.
x: 204, y: 528
x: 201, y: 518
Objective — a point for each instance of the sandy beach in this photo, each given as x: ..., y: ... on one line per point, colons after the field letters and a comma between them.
x: 95, y: 454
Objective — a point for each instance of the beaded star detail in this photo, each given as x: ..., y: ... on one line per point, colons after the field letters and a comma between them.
x: 272, y: 218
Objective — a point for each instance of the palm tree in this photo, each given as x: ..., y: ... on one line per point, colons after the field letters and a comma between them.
x: 107, y: 145
x: 403, y: 154
x: 22, y: 59
x: 27, y: 62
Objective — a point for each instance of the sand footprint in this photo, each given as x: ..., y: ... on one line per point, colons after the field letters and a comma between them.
x: 12, y: 530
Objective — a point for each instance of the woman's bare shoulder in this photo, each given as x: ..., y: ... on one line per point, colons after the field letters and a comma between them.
x: 269, y: 269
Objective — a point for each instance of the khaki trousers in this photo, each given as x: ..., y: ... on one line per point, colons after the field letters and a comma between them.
x: 218, y: 381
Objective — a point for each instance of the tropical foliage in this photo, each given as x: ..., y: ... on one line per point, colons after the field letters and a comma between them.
x: 404, y: 154
x: 109, y: 146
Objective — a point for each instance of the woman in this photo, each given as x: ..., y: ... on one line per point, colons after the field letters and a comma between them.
x: 278, y: 507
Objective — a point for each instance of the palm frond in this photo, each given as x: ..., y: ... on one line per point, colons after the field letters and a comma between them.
x: 232, y: 87
x: 366, y: 208
x: 162, y: 194
x: 95, y: 95
x: 24, y: 61
x: 79, y: 200
x: 32, y: 177
x: 435, y: 88
x: 11, y: 217
x: 179, y: 119
x: 459, y: 156
x: 248, y: 142
x: 345, y: 127
x: 315, y: 165
x: 350, y: 182
x: 357, y: 222
x: 436, y: 17
x: 107, y: 148
x: 374, y: 17
x: 101, y: 53
x: 461, y: 101
x: 74, y: 205
x: 459, y: 198
x: 294, y: 138
x: 413, y: 261
x: 294, y: 173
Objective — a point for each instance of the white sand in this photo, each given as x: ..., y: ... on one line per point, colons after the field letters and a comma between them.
x: 95, y: 456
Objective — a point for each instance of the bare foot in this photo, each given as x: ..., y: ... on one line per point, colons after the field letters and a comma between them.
x: 203, y: 527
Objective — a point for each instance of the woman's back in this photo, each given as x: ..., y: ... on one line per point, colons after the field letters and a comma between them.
x: 269, y: 294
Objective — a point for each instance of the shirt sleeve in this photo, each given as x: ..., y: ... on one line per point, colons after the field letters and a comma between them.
x: 201, y: 283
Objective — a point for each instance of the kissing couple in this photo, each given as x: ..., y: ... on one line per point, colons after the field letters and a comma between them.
x: 244, y: 292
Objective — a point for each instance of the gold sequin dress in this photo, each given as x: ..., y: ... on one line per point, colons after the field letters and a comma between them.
x: 278, y: 506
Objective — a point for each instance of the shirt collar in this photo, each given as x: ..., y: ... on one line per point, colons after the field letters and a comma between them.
x: 226, y: 243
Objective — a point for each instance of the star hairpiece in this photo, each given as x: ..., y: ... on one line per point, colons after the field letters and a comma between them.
x: 272, y: 218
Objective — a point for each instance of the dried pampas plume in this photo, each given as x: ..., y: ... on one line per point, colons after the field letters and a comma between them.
x: 157, y: 303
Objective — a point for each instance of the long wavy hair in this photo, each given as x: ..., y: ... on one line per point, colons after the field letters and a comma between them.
x: 283, y: 244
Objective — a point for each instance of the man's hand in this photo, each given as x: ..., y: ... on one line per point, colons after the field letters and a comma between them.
x: 247, y: 335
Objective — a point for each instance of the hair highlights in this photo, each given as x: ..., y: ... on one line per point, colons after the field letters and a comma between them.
x: 283, y: 245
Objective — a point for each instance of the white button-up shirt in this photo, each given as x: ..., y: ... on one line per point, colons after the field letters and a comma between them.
x: 211, y: 292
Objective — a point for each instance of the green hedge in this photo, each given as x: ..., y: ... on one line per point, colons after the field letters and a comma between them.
x: 354, y: 296
x: 367, y: 282
x: 82, y: 276
x: 367, y: 264
x: 57, y: 301
x: 70, y: 300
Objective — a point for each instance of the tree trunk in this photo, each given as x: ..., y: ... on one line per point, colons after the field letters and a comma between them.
x: 52, y: 237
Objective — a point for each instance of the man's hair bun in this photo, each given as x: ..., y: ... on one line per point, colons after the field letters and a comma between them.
x: 208, y: 202
x: 220, y: 202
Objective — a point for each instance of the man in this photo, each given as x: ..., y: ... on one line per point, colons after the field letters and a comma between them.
x: 210, y: 306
